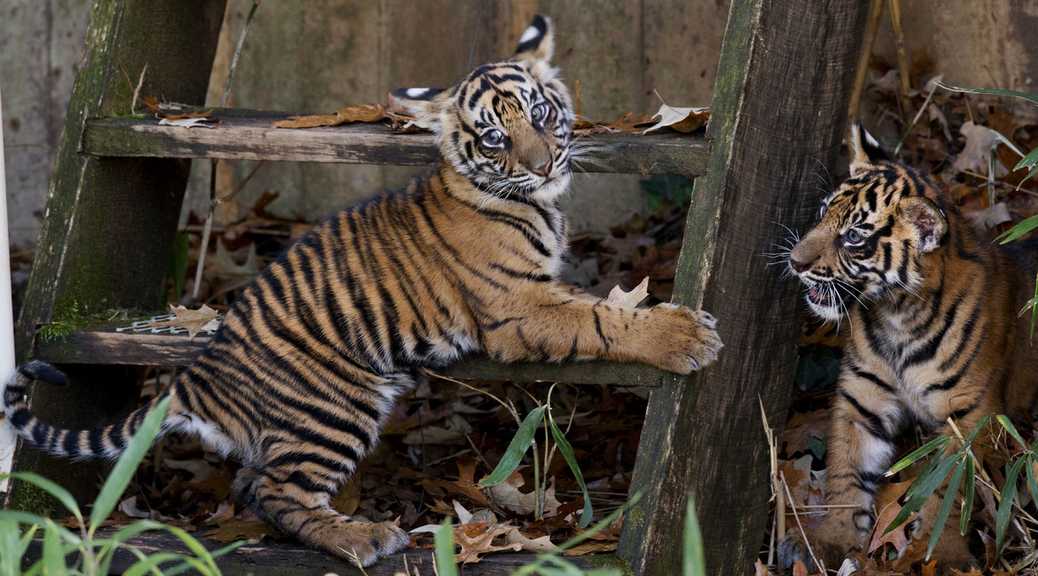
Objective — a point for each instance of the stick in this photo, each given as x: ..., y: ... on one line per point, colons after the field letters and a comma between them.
x: 902, y: 56
x: 8, y: 438
x: 818, y: 563
x: 871, y: 27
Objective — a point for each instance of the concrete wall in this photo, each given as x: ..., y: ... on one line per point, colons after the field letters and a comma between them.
x: 320, y: 54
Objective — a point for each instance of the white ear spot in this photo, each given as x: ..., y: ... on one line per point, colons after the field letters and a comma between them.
x: 416, y: 92
x: 529, y: 34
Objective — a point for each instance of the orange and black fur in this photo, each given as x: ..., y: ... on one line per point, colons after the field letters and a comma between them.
x: 310, y: 359
x: 933, y: 335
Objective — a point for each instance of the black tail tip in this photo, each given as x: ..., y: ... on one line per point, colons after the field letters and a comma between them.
x: 40, y: 370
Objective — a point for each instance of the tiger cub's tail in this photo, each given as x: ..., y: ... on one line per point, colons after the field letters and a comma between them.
x: 99, y: 442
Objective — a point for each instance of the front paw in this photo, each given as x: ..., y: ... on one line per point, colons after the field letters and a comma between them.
x: 687, y: 340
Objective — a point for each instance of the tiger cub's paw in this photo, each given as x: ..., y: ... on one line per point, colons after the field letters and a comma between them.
x: 687, y: 340
x: 369, y: 541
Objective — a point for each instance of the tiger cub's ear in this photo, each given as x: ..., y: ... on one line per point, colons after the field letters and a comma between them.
x: 537, y: 44
x: 425, y: 104
x: 927, y: 220
x: 865, y: 149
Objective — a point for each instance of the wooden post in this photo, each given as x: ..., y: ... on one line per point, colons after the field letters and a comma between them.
x: 109, y: 224
x: 780, y: 104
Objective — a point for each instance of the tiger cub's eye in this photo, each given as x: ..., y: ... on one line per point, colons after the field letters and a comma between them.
x: 492, y: 138
x: 539, y: 112
x: 852, y: 237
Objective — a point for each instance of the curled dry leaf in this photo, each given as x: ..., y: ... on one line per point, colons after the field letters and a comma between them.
x: 189, y: 122
x: 629, y: 299
x: 194, y: 321
x: 477, y: 539
x: 344, y: 115
x: 235, y: 529
x: 590, y: 548
x: 683, y: 120
x: 507, y: 496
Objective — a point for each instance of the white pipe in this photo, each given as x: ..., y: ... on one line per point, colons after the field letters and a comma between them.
x: 8, y: 439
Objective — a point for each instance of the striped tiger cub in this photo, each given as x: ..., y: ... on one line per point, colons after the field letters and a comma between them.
x: 933, y: 336
x: 311, y: 357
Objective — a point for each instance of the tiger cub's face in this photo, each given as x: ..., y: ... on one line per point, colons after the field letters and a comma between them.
x: 874, y: 233
x: 508, y: 126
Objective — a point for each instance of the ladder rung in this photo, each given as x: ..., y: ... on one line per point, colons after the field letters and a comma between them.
x: 106, y: 346
x: 250, y: 135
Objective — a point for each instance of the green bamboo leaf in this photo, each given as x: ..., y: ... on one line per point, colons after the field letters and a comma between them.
x: 122, y: 473
x: 54, y: 489
x: 1029, y: 161
x: 918, y: 454
x: 567, y: 454
x: 1032, y: 484
x: 194, y: 546
x: 53, y: 555
x: 923, y: 487
x: 444, y: 544
x: 151, y: 563
x: 981, y: 424
x: 185, y: 566
x: 1005, y: 507
x: 1019, y: 230
x: 107, y: 547
x: 32, y: 520
x: 602, y: 524
x: 517, y: 448
x: 967, y: 497
x: 694, y: 559
x: 1030, y: 96
x: 946, y: 505
x: 1009, y: 427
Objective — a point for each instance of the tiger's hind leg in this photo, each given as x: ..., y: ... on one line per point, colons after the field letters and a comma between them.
x: 297, y: 499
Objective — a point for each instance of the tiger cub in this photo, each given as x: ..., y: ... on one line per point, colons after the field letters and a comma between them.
x: 932, y: 335
x: 310, y: 359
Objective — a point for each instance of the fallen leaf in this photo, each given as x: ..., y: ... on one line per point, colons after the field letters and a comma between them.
x: 897, y: 537
x: 930, y: 568
x: 799, y: 569
x: 190, y: 122
x: 989, y: 218
x: 130, y: 508
x: 683, y: 120
x: 980, y: 141
x: 507, y: 496
x: 222, y: 264
x: 234, y: 529
x: 345, y: 115
x: 477, y: 539
x: 590, y: 548
x: 204, y: 319
x: 540, y: 544
x: 847, y: 568
x: 629, y: 299
x: 759, y: 569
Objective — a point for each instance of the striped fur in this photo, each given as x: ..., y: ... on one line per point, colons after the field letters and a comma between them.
x: 933, y: 334
x: 311, y: 357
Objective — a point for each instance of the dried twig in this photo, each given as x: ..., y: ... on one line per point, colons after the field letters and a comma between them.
x: 137, y: 90
x: 818, y: 563
x: 871, y: 27
x: 902, y: 57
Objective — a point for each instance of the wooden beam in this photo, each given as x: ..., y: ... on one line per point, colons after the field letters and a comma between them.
x: 250, y: 135
x: 779, y: 110
x: 128, y: 349
x: 109, y: 224
x: 283, y: 558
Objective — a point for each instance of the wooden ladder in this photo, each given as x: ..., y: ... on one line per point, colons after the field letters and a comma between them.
x: 779, y: 108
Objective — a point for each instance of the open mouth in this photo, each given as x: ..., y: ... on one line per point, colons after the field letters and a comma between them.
x: 821, y: 295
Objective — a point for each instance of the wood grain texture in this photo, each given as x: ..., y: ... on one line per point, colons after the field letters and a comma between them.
x: 778, y: 116
x: 282, y: 558
x: 109, y: 224
x: 127, y: 349
x: 250, y: 135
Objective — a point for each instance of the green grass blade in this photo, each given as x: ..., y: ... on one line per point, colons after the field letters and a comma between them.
x: 26, y: 518
x: 923, y: 487
x: 981, y: 424
x: 517, y: 448
x: 601, y: 524
x: 106, y: 552
x: 1032, y: 484
x: 1030, y: 96
x: 567, y: 454
x: 694, y: 558
x: 1029, y: 161
x: 967, y: 497
x: 1019, y: 230
x: 946, y: 505
x: 53, y: 488
x: 53, y: 555
x: 194, y: 546
x: 444, y: 550
x: 1005, y: 507
x: 152, y: 562
x: 122, y: 473
x: 918, y: 454
x: 1009, y: 427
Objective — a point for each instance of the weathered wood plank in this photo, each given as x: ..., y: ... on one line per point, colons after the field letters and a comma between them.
x: 282, y: 559
x: 126, y: 349
x: 779, y: 110
x: 109, y: 224
x: 250, y: 135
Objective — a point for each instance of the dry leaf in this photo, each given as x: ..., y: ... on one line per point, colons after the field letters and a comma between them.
x: 887, y: 503
x: 759, y: 569
x: 799, y: 569
x: 507, y: 496
x: 847, y: 568
x: 989, y: 218
x: 130, y: 508
x: 619, y: 297
x: 234, y: 529
x: 680, y: 119
x: 477, y: 539
x: 194, y: 321
x: 190, y: 122
x: 590, y: 548
x: 980, y: 140
x: 541, y: 544
x: 344, y: 115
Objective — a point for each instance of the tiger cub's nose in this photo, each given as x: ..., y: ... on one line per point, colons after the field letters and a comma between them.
x: 798, y: 265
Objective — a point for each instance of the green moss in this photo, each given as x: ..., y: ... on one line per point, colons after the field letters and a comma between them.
x: 610, y: 561
x: 29, y: 498
x: 73, y: 317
